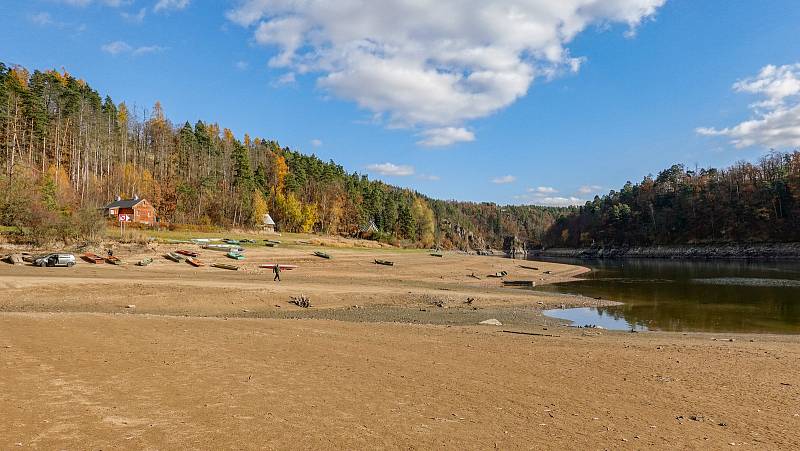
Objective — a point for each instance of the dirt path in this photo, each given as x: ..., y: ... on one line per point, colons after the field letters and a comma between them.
x: 80, y: 370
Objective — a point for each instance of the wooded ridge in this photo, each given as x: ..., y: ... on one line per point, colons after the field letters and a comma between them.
x: 66, y: 151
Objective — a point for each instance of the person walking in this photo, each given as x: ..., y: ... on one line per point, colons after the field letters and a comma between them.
x: 277, y: 271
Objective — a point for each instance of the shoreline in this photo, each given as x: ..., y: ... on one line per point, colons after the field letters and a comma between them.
x: 774, y: 251
x: 761, y: 251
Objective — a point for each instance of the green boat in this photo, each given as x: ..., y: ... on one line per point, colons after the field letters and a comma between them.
x: 225, y: 266
x: 322, y: 255
x: 145, y: 262
x: 235, y: 255
x: 177, y: 258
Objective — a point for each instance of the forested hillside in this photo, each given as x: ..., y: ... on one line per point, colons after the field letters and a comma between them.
x: 742, y: 204
x: 66, y: 150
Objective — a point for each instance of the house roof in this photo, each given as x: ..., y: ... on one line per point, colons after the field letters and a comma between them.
x: 268, y: 220
x: 124, y: 203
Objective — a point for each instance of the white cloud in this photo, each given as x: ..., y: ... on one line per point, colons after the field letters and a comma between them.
x: 589, y: 189
x: 432, y: 65
x: 775, y: 83
x: 776, y: 121
x: 504, y: 180
x: 119, y: 47
x: 82, y: 3
x: 171, y: 5
x: 429, y: 177
x: 285, y: 79
x: 116, y: 47
x: 549, y: 201
x: 42, y: 19
x: 242, y: 65
x: 545, y: 195
x: 445, y: 136
x: 147, y: 49
x: 559, y: 201
x: 391, y: 169
x: 316, y: 142
x: 134, y: 18
x: 542, y: 190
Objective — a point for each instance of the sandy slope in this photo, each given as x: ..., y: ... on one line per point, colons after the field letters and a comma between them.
x: 78, y: 370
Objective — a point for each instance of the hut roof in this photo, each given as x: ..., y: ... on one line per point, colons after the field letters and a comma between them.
x: 268, y: 220
x: 370, y: 227
x: 124, y: 203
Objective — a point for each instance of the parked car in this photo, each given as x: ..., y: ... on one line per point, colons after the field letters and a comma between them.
x: 67, y: 260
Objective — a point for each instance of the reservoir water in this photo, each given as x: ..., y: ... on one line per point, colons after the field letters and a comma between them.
x: 680, y: 295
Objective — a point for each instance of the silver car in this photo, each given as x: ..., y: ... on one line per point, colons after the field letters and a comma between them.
x: 67, y: 260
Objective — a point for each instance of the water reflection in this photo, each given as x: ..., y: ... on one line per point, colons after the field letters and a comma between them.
x: 585, y: 316
x: 734, y: 296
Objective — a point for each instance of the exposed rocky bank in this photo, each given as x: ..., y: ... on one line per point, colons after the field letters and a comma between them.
x: 722, y: 251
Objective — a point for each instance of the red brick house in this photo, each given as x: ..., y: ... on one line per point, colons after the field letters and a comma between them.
x: 140, y: 210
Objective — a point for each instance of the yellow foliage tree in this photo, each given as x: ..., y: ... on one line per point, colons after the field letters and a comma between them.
x: 426, y: 222
x: 309, y: 218
x: 290, y: 211
x: 281, y: 170
x: 259, y: 208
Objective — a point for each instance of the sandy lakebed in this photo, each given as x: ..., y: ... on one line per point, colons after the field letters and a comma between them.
x: 174, y: 357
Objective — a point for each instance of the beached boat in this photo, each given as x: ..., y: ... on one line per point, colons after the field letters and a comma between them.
x: 93, y: 258
x: 283, y: 267
x: 519, y: 283
x: 235, y: 255
x: 114, y: 260
x: 271, y: 244
x: 384, y: 262
x: 225, y: 266
x: 230, y: 241
x: 187, y: 253
x: 223, y: 247
x: 177, y: 258
x: 437, y: 254
x: 195, y: 262
x: 146, y: 262
x: 322, y: 255
x: 532, y: 268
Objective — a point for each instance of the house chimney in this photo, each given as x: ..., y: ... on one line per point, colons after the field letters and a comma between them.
x: 135, y: 197
x: 118, y: 198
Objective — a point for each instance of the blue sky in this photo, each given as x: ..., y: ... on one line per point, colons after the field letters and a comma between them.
x: 469, y: 105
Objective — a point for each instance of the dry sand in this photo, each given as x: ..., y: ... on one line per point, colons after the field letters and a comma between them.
x: 205, y: 361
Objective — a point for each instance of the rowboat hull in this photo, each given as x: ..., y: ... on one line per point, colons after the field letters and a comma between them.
x: 519, y: 283
x: 174, y: 257
x: 93, y: 258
